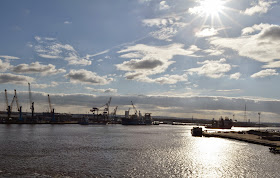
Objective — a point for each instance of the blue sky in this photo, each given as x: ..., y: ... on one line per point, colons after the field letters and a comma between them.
x: 184, y: 58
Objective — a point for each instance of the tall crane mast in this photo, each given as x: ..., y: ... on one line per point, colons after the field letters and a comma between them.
x: 6, y: 99
x: 51, y: 109
x: 108, y: 104
x: 9, y: 107
x: 19, y: 108
x: 12, y: 103
x: 115, y: 111
x: 30, y: 100
x: 134, y: 107
x: 50, y: 105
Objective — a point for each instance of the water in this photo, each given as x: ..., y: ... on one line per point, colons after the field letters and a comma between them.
x: 127, y: 151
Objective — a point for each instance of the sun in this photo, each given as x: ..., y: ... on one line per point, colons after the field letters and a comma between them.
x: 212, y: 7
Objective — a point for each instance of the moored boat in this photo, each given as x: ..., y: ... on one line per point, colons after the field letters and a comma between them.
x: 196, y: 131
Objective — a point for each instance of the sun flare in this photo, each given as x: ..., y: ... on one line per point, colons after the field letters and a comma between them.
x: 211, y: 7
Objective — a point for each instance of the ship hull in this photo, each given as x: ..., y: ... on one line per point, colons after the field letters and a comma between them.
x: 127, y: 121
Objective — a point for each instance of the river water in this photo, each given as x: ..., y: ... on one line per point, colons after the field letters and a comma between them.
x: 127, y: 151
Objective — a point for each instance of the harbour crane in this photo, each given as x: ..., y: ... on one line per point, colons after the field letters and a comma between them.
x: 94, y: 109
x: 19, y: 108
x: 51, y: 109
x: 106, y: 110
x: 114, y: 113
x: 134, y: 108
x: 9, y: 107
x: 31, y: 103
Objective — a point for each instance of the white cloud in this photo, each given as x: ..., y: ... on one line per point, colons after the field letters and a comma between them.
x: 212, y: 69
x: 206, y: 32
x: 53, y: 84
x: 168, y: 27
x: 36, y: 67
x: 88, y: 56
x: 87, y: 77
x: 170, y: 79
x: 235, y: 76
x: 231, y: 90
x: 144, y: 1
x: 151, y: 59
x: 274, y: 64
x: 255, y: 28
x: 15, y: 79
x: 67, y: 22
x: 263, y: 46
x: 164, y: 33
x: 265, y: 73
x: 73, y: 59
x: 260, y: 8
x: 214, y: 52
x: 52, y: 49
x: 4, y: 65
x: 109, y: 90
x: 163, y: 5
x: 8, y: 57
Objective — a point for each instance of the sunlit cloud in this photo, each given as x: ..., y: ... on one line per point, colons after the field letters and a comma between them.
x: 4, y: 65
x: 265, y: 73
x: 8, y: 57
x: 87, y: 77
x: 108, y: 90
x: 206, y: 32
x: 261, y: 7
x: 274, y: 64
x: 151, y: 59
x: 214, y: 51
x: 36, y: 67
x: 36, y: 85
x: 67, y: 22
x: 212, y: 69
x: 52, y: 49
x: 15, y: 79
x: 261, y: 42
x: 168, y: 27
x: 163, y: 5
x: 235, y: 76
x: 231, y: 90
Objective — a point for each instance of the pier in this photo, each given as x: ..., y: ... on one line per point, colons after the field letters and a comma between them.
x: 250, y: 137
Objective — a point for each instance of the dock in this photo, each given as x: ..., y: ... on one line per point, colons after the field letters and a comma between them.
x: 244, y: 136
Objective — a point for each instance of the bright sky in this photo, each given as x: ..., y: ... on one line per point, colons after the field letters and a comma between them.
x: 183, y: 58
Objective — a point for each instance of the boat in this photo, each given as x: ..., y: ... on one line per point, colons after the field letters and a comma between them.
x: 87, y: 121
x: 197, y: 131
x: 275, y: 150
x: 133, y: 120
x: 221, y: 124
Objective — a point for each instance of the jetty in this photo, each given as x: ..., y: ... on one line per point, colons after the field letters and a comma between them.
x: 256, y: 137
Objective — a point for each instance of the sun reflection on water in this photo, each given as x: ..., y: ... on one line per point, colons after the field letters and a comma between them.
x: 211, y: 156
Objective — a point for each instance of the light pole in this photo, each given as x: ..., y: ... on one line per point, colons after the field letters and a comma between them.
x: 259, y: 121
x: 260, y: 124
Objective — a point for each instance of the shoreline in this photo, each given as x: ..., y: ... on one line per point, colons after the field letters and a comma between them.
x: 243, y: 136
